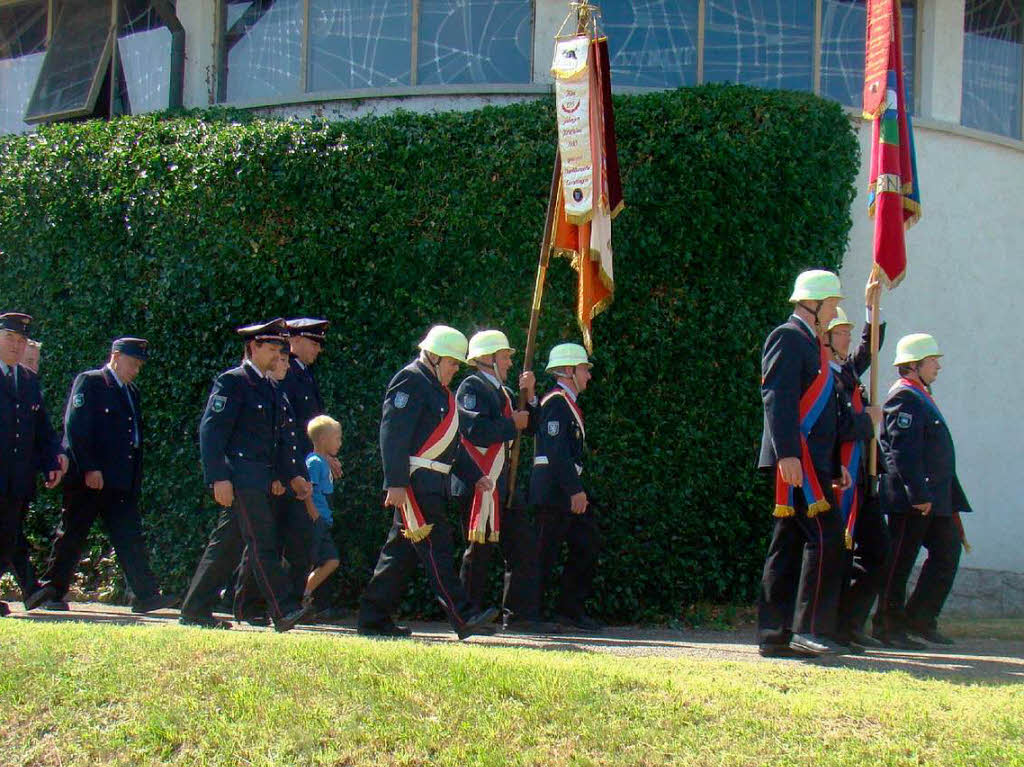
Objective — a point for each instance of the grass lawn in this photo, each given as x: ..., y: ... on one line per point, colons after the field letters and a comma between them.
x: 80, y: 694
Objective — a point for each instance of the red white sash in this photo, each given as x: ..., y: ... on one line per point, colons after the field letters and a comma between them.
x: 485, y: 512
x: 416, y: 527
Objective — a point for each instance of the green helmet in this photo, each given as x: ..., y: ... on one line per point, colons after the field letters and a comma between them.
x: 816, y: 285
x: 914, y: 348
x: 445, y: 342
x: 840, y: 319
x: 567, y: 356
x: 487, y: 342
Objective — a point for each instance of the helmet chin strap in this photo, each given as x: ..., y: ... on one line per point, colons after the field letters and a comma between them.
x: 434, y: 362
x: 575, y: 383
x: 493, y: 365
x: 814, y: 311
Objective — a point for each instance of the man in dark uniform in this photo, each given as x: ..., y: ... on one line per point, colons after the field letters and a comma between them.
x: 489, y: 423
x: 28, y: 443
x: 923, y: 498
x: 420, y: 447
x: 245, y: 446
x: 799, y: 597
x: 103, y: 435
x: 564, y: 513
x: 866, y: 534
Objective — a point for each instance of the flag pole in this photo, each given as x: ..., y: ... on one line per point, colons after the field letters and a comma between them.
x: 876, y: 301
x: 538, y: 295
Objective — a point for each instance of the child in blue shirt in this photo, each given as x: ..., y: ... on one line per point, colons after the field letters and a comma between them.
x: 325, y: 434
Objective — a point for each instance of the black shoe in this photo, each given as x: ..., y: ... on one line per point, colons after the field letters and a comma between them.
x: 813, y: 644
x: 898, y: 640
x: 45, y: 594
x: 57, y: 605
x: 287, y: 622
x: 204, y: 621
x: 481, y: 624
x: 931, y: 635
x: 777, y: 650
x: 157, y: 602
x: 582, y: 622
x: 4, y: 610
x: 388, y: 630
x: 517, y: 625
x: 865, y: 640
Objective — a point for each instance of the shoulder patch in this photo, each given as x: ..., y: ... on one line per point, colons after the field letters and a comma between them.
x: 401, y: 399
x: 217, y: 403
x: 553, y: 427
x: 903, y: 420
x: 469, y: 401
x: 78, y: 400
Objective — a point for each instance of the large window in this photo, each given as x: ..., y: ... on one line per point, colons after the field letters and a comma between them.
x: 843, y: 24
x: 653, y: 43
x: 993, y: 66
x: 144, y: 52
x: 22, y: 47
x: 280, y: 49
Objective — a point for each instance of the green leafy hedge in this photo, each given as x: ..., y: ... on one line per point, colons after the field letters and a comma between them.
x: 180, y: 228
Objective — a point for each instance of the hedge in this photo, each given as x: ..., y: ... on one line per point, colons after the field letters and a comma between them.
x: 181, y: 227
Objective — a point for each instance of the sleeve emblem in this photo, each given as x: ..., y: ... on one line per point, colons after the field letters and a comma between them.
x: 217, y: 403
x: 553, y: 427
x: 903, y: 420
x: 469, y: 401
x: 401, y: 399
x: 78, y: 400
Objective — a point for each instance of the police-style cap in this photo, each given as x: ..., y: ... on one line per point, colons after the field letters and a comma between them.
x: 133, y: 347
x: 275, y: 330
x: 15, y: 322
x: 307, y: 327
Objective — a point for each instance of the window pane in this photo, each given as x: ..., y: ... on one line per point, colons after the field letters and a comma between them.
x: 992, y: 66
x: 146, y: 60
x: 17, y: 79
x: 474, y: 41
x: 264, y: 51
x: 359, y: 43
x: 767, y: 43
x: 652, y: 43
x: 843, y: 25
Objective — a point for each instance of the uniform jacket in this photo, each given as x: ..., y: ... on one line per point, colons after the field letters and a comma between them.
x: 99, y: 428
x: 482, y: 422
x: 558, y: 457
x: 244, y: 435
x: 789, y: 364
x: 919, y: 458
x: 28, y: 443
x: 304, y: 395
x: 856, y: 426
x: 414, y: 405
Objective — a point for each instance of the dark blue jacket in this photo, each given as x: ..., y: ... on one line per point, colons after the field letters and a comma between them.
x: 98, y: 431
x: 304, y: 395
x: 847, y: 380
x: 414, y: 406
x: 790, y: 363
x: 244, y: 435
x: 919, y: 458
x: 558, y: 457
x: 28, y: 443
x: 482, y: 421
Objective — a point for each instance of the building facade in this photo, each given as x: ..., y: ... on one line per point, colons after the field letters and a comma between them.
x: 344, y: 58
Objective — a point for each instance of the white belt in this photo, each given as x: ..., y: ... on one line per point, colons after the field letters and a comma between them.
x: 542, y: 460
x: 415, y: 462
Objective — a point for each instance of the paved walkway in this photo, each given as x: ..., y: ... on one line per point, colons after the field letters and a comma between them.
x: 970, y: 660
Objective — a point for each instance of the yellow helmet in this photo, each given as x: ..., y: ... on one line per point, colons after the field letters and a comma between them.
x: 567, y: 356
x: 445, y: 342
x: 816, y: 285
x: 840, y: 319
x: 487, y: 342
x: 914, y: 348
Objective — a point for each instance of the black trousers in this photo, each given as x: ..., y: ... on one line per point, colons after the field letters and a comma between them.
x: 119, y: 513
x: 802, y: 575
x: 518, y: 545
x: 865, y: 567
x: 940, y: 536
x: 295, y: 536
x: 397, y: 562
x: 580, y: 533
x: 246, y: 532
x: 18, y: 560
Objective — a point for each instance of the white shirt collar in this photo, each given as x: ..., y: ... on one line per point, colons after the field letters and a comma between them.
x: 300, y: 363
x: 5, y: 367
x: 489, y: 377
x: 570, y: 392
x: 255, y: 369
x: 116, y: 377
x: 804, y: 322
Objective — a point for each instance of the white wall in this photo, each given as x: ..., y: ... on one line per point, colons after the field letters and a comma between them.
x: 965, y: 285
